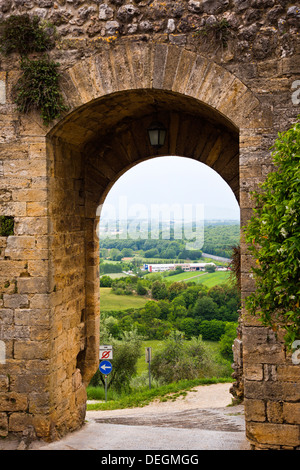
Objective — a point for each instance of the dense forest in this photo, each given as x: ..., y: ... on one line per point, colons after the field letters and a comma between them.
x: 218, y: 240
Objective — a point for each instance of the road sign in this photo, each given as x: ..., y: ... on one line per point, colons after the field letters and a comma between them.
x: 148, y: 354
x: 106, y: 352
x: 105, y: 367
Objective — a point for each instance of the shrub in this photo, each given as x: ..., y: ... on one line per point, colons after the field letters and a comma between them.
x: 180, y: 359
x: 38, y: 88
x: 6, y: 226
x: 273, y: 237
x: 140, y: 289
x: 227, y: 339
x: 211, y: 330
x: 105, y: 281
x: 23, y: 34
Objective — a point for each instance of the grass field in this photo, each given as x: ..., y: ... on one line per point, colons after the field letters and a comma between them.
x: 213, y: 279
x: 188, y: 276
x: 114, y: 275
x: 209, y: 279
x: 111, y: 301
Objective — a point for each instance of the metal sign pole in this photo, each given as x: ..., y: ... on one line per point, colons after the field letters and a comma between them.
x: 148, y: 359
x: 106, y: 389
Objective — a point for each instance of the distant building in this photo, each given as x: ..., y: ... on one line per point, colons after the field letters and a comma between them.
x: 155, y: 268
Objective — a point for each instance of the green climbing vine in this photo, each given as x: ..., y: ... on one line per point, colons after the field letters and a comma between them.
x: 273, y: 237
x: 38, y: 86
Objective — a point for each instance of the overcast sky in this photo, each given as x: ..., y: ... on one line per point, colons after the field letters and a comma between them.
x: 176, y: 180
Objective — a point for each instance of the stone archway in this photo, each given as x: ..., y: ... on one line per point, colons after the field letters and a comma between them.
x: 207, y: 112
x: 51, y: 309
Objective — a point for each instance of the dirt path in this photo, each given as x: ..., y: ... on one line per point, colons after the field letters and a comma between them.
x: 203, y: 396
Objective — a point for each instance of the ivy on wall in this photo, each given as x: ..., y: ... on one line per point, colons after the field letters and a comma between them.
x: 38, y: 86
x: 6, y: 226
x: 273, y: 237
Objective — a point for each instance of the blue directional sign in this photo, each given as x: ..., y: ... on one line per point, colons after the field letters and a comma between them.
x: 105, y: 367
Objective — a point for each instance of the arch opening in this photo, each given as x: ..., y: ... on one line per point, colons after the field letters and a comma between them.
x: 172, y: 184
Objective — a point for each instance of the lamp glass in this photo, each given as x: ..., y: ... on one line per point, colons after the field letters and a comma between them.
x: 157, y: 134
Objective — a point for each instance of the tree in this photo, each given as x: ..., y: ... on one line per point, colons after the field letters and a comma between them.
x: 140, y: 289
x: 115, y: 254
x: 127, y: 252
x: 180, y: 359
x: 211, y: 330
x: 205, y: 308
x: 150, y: 311
x: 273, y: 237
x: 159, y: 290
x: 189, y: 327
x: 210, y: 268
x: 105, y: 281
x: 175, y: 289
x: 227, y: 339
x: 153, y: 253
x: 164, y: 307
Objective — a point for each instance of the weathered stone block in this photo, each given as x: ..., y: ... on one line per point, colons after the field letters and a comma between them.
x: 3, y: 425
x: 260, y: 346
x: 255, y: 410
x: 4, y: 383
x: 15, y: 301
x: 291, y: 413
x: 273, y: 434
x: 12, y: 401
x: 275, y: 412
x: 27, y: 350
x: 42, y: 425
x: 254, y: 372
x: 34, y: 285
x: 288, y: 373
x: 18, y: 422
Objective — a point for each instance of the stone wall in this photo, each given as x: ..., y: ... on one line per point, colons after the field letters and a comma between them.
x: 229, y: 65
x: 261, y: 28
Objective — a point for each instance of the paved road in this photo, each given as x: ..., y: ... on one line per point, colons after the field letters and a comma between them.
x: 201, y: 421
x: 217, y: 258
x: 94, y: 436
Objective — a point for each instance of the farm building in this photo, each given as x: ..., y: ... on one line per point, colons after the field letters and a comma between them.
x: 154, y: 268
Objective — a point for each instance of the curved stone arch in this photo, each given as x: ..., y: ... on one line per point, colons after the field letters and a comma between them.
x: 132, y: 66
x: 84, y: 147
x: 95, y: 90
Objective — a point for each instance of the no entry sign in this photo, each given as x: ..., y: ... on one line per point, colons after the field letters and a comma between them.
x: 106, y: 352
